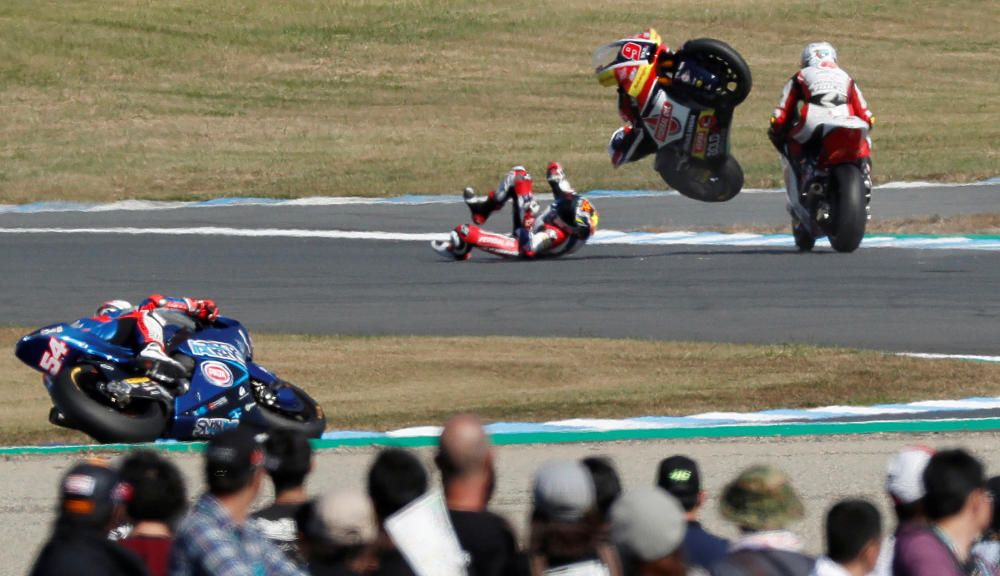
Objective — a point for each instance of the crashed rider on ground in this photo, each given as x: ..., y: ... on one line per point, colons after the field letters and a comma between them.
x: 826, y: 92
x: 141, y: 327
x: 563, y: 227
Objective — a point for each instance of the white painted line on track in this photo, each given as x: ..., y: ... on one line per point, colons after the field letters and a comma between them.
x: 603, y: 237
x: 972, y: 357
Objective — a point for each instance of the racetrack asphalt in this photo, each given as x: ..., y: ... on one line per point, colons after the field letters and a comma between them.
x: 887, y: 299
x: 749, y: 208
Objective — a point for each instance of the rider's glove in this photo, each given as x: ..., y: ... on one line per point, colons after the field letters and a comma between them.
x: 206, y: 310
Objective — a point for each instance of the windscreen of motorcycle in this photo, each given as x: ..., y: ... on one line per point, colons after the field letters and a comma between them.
x: 630, y: 52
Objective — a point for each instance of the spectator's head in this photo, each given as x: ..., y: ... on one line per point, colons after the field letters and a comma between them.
x: 761, y: 498
x: 234, y: 464
x: 91, y: 496
x: 395, y: 479
x: 564, y: 520
x: 607, y: 485
x: 288, y: 459
x: 955, y: 485
x: 338, y: 529
x: 157, y: 487
x: 679, y: 476
x: 854, y: 534
x: 993, y: 486
x: 905, y: 481
x: 648, y: 526
x: 465, y: 459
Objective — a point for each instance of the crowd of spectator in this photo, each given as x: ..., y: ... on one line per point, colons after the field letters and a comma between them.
x: 133, y: 518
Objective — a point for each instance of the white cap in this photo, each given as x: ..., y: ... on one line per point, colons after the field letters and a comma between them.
x: 905, y: 478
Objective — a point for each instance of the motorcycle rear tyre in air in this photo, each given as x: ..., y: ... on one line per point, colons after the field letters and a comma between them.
x: 849, y: 217
x: 74, y: 394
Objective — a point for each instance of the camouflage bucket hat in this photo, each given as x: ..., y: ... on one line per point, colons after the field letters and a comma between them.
x: 761, y: 498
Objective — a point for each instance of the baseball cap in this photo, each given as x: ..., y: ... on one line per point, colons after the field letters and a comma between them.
x: 761, y: 498
x: 90, y: 491
x: 563, y: 491
x: 348, y: 518
x: 231, y: 458
x: 679, y: 476
x: 905, y: 473
x: 649, y: 522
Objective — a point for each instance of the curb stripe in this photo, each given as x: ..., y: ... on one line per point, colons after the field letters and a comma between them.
x: 514, y: 439
x: 404, y: 200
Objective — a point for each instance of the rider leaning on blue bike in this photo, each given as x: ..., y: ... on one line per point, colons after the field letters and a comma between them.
x: 141, y: 327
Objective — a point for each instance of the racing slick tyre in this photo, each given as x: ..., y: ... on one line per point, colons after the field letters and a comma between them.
x: 75, y: 393
x: 848, y: 218
x: 269, y: 415
x: 804, y: 240
x: 698, y: 181
x: 724, y: 61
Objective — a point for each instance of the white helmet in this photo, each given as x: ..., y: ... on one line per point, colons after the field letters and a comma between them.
x: 113, y: 306
x: 818, y: 52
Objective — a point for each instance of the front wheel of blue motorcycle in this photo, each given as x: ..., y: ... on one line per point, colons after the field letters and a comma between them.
x: 77, y: 394
x: 283, y: 405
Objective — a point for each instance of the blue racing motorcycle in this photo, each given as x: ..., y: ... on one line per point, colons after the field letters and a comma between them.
x: 97, y: 388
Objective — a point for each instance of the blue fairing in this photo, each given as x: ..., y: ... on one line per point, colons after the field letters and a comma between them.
x: 220, y: 395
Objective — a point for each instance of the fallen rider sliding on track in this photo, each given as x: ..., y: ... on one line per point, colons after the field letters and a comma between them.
x: 563, y: 227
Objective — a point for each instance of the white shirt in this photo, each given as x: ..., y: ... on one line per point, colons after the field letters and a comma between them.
x: 826, y: 567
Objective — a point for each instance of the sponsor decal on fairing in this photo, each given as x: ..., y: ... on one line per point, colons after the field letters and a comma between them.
x: 217, y: 373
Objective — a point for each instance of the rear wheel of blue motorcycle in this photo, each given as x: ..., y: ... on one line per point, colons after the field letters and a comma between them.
x: 75, y: 394
x: 311, y: 420
x: 848, y: 215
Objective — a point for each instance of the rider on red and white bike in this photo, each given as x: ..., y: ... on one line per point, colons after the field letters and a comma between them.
x: 829, y: 98
x: 566, y: 225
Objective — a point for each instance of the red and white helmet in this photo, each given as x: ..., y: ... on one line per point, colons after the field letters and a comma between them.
x: 818, y: 54
x: 112, y: 306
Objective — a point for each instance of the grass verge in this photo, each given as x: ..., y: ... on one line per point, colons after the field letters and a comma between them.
x: 185, y: 99
x: 381, y: 383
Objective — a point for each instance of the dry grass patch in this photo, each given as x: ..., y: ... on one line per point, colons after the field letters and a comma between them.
x: 187, y: 99
x: 388, y: 382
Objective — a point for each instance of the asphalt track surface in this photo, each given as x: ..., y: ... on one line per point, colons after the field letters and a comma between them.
x: 887, y: 299
x: 823, y: 470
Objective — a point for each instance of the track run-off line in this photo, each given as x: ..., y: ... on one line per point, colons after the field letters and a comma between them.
x: 602, y: 238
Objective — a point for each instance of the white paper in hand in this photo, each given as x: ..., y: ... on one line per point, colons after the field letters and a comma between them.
x: 423, y: 533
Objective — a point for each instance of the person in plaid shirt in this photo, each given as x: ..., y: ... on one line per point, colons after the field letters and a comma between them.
x: 215, y: 539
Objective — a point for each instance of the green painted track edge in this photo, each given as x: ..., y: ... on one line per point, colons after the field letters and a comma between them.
x: 736, y: 431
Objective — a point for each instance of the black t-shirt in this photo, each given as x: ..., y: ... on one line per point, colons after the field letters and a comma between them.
x: 83, y: 553
x: 392, y: 563
x: 277, y: 523
x: 489, y: 541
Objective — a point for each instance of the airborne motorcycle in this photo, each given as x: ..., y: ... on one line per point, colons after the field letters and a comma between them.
x: 835, y: 187
x: 678, y: 105
x: 97, y: 388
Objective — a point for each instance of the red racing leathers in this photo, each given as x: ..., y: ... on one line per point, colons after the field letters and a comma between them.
x: 536, y: 233
x: 148, y: 326
x: 827, y: 92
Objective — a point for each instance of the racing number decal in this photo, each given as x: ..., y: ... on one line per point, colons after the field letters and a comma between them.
x: 52, y: 360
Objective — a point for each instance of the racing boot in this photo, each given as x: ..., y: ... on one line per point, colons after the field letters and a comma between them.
x: 454, y: 247
x: 480, y: 206
x: 162, y: 367
x: 556, y: 177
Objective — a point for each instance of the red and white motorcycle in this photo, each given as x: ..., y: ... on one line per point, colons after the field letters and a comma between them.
x: 829, y: 194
